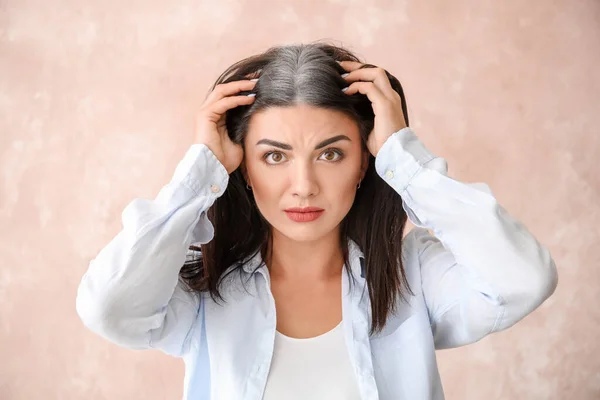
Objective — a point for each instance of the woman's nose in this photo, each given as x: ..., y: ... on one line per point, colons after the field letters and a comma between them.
x: 303, y: 180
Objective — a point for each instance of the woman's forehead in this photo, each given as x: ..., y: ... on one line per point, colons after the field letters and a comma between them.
x: 303, y: 124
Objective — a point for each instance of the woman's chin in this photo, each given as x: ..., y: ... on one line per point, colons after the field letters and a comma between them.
x: 303, y: 232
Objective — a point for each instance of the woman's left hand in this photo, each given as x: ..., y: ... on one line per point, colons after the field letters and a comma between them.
x: 386, y: 102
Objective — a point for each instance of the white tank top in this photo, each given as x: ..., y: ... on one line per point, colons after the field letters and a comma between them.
x: 314, y: 368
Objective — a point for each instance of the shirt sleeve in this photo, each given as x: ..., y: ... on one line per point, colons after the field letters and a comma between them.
x: 131, y: 293
x: 482, y: 270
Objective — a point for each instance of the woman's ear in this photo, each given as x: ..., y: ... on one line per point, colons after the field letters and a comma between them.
x: 364, y: 164
x: 244, y: 171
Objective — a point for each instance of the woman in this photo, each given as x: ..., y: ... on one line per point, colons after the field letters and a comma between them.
x: 297, y: 191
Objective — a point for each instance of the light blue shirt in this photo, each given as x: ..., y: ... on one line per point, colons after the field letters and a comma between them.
x: 481, y: 272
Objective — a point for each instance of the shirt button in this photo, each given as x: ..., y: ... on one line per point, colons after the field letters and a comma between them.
x: 389, y: 174
x: 215, y: 188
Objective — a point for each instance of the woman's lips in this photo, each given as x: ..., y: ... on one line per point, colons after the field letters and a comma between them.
x: 307, y: 214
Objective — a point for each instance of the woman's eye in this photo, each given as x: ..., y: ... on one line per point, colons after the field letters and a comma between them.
x: 274, y: 157
x: 332, y: 155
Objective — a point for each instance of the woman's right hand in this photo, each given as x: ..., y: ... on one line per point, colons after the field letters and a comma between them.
x: 210, y: 122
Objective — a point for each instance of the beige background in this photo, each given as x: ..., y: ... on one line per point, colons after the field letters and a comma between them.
x: 97, y: 100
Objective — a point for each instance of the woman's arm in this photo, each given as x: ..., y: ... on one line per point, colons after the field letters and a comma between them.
x: 483, y: 271
x: 131, y: 293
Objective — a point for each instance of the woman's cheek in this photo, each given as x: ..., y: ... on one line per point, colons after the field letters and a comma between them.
x: 266, y: 187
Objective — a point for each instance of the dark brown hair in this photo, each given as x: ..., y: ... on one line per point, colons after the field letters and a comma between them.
x: 305, y: 74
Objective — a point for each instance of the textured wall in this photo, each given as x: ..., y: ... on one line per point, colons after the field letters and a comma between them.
x: 97, y: 100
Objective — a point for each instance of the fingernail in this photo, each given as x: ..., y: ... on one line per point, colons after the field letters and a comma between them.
x: 252, y: 95
x: 344, y: 89
x: 345, y: 75
x: 253, y: 80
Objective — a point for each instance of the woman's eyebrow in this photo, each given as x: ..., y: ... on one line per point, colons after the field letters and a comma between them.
x: 274, y: 144
x: 331, y: 140
x: 286, y: 146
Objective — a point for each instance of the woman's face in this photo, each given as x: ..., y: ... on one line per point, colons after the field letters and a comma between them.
x: 303, y: 156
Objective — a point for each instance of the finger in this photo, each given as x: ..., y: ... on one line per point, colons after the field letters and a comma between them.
x: 375, y: 75
x: 221, y: 106
x: 369, y: 89
x: 230, y: 89
x: 253, y: 75
x: 350, y: 65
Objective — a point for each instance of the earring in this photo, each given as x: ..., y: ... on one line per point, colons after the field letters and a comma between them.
x: 358, y: 186
x: 248, y: 187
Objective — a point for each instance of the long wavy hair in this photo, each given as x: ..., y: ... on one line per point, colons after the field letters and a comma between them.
x: 305, y: 74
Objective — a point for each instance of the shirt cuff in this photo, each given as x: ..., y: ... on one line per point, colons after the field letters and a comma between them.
x: 201, y: 171
x: 401, y: 158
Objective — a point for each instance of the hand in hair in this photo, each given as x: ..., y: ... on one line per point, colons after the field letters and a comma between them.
x: 210, y: 121
x: 386, y: 102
